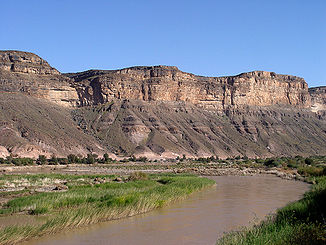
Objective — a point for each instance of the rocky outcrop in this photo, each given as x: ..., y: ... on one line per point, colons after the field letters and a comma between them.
x: 28, y: 73
x: 318, y: 99
x: 168, y: 83
x: 155, y: 111
x: 25, y: 62
x: 23, y: 72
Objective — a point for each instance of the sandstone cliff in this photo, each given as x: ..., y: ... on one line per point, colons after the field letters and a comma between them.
x: 27, y: 73
x: 164, y: 83
x: 156, y: 111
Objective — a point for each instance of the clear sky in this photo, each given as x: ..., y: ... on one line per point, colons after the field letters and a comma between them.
x: 210, y: 38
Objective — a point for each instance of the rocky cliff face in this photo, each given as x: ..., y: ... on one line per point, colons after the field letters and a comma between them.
x: 27, y: 73
x: 24, y: 62
x: 155, y: 111
x: 30, y: 74
x: 318, y: 98
x: 164, y: 83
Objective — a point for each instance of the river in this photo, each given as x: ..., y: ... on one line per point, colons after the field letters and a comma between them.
x: 235, y: 201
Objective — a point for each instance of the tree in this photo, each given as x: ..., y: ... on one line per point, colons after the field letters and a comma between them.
x: 107, y: 158
x: 41, y: 160
x: 53, y: 160
x: 90, y: 159
x: 9, y: 159
x: 72, y: 158
x: 309, y: 161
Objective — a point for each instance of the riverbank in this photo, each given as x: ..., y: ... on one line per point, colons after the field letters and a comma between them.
x: 23, y: 186
x: 88, y: 199
x: 301, y: 222
x: 212, y: 169
x: 198, y: 219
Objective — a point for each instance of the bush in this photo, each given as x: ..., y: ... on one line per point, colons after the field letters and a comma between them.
x: 73, y: 158
x: 312, y: 171
x: 309, y: 161
x: 107, y: 158
x: 138, y: 176
x: 272, y: 163
x: 292, y: 163
x: 90, y: 159
x: 63, y: 161
x: 41, y: 160
x: 142, y: 159
x: 22, y: 161
x: 53, y: 160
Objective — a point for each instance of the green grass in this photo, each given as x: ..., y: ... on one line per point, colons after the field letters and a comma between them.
x: 301, y: 222
x: 87, y: 204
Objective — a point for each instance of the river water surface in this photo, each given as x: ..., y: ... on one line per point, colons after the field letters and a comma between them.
x: 234, y: 202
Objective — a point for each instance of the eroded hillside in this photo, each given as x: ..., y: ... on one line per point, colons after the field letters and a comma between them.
x: 156, y: 111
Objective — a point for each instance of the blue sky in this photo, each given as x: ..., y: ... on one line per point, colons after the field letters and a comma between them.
x: 210, y: 38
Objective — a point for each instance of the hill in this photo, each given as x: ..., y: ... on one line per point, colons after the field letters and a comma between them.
x: 155, y: 111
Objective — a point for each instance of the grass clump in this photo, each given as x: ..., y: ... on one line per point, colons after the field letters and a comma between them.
x: 88, y: 203
x: 301, y: 222
x: 138, y: 176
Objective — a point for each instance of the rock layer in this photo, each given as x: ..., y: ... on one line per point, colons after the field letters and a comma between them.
x: 159, y: 129
x: 155, y: 111
x: 27, y: 73
x: 168, y: 83
x: 31, y: 127
x: 318, y: 98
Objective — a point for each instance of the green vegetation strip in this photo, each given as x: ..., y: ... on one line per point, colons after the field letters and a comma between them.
x: 301, y: 222
x: 85, y: 204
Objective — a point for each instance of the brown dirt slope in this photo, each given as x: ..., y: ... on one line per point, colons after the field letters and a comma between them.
x: 30, y: 126
x: 167, y: 129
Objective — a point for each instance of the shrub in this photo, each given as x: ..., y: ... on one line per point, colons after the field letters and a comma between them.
x: 245, y: 158
x: 22, y: 161
x: 63, y: 161
x: 311, y: 171
x: 72, y: 158
x: 309, y: 161
x: 90, y: 159
x: 138, y: 176
x: 272, y: 163
x: 292, y: 163
x: 142, y: 159
x: 41, y: 160
x: 53, y: 160
x: 107, y: 158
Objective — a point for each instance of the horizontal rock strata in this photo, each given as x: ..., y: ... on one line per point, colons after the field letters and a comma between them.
x: 155, y: 111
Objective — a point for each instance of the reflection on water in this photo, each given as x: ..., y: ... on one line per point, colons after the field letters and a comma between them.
x: 234, y: 202
x: 23, y: 219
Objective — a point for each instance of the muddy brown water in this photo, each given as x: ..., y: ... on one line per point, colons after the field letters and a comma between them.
x: 234, y: 202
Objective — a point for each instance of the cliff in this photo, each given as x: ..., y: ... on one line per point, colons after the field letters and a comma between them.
x: 27, y: 73
x: 318, y: 98
x: 155, y: 111
x: 164, y: 83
